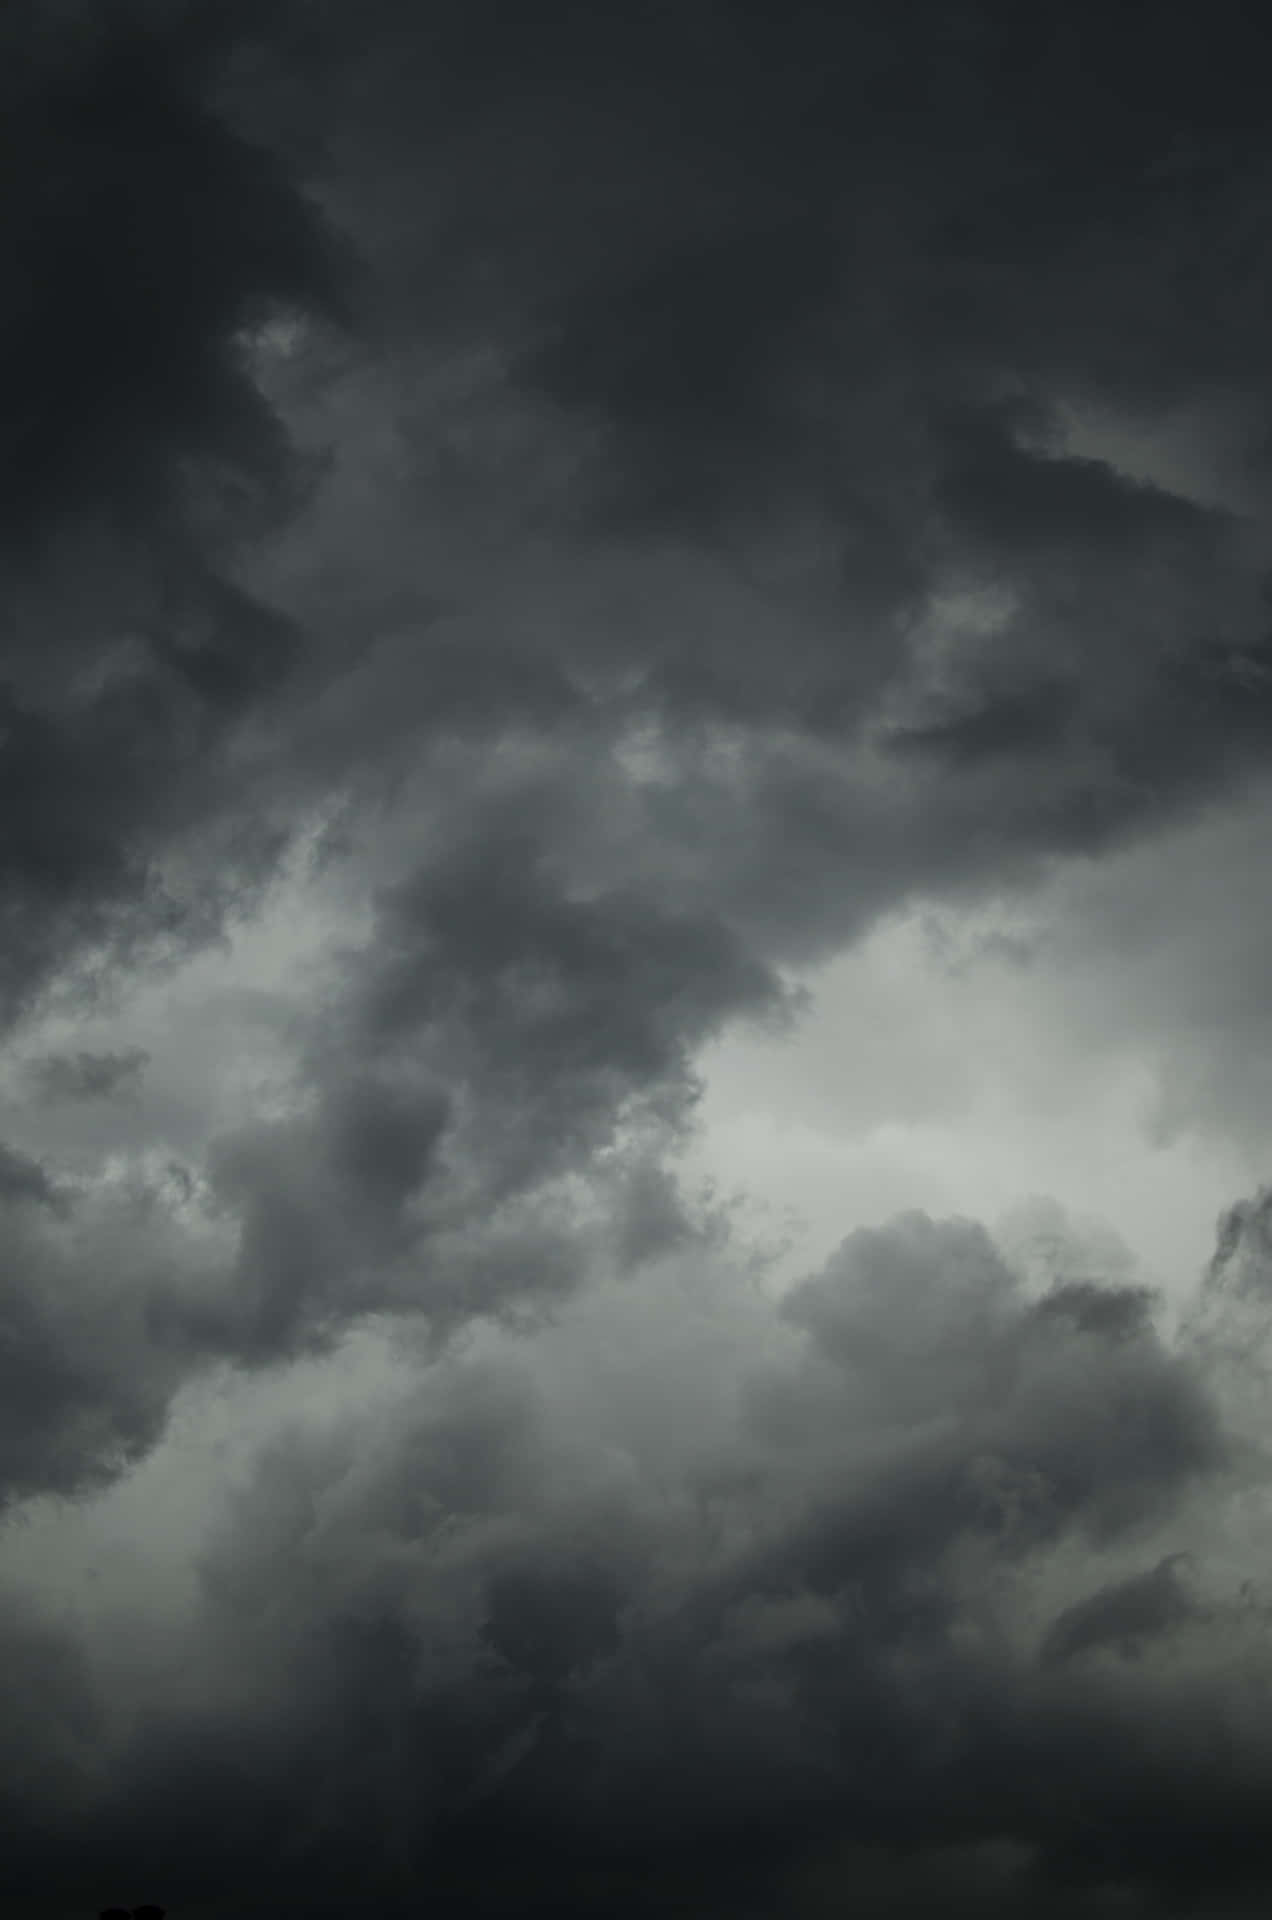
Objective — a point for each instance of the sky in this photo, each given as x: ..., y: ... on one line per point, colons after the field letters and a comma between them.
x: 635, y: 1027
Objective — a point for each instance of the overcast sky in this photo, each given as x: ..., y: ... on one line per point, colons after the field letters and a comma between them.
x: 635, y: 959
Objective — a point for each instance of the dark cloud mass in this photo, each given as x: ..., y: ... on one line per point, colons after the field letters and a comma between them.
x: 524, y: 530
x: 450, y: 1641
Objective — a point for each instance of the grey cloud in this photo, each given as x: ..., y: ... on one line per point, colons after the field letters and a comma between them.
x: 517, y: 1040
x: 978, y: 1410
x: 88, y: 1380
x: 1227, y: 1326
x: 652, y: 1217
x: 319, y: 1205
x: 458, y: 1636
x: 674, y: 559
x: 86, y: 779
x: 51, y: 1739
x: 149, y: 239
x: 1032, y: 721
x: 789, y: 436
x: 709, y: 312
x: 1122, y: 1616
x: 89, y: 1076
x: 516, y: 1029
x: 911, y: 1307
x: 138, y: 277
x: 748, y: 321
x: 1018, y: 497
x: 510, y: 1034
x: 683, y: 359
x: 561, y: 990
x: 23, y: 1179
x: 1241, y: 1258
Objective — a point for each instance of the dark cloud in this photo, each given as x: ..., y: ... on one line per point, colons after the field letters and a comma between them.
x: 577, y: 998
x: 524, y: 1067
x: 1003, y: 724
x: 807, y: 341
x: 149, y: 243
x: 808, y: 327
x: 1122, y: 1616
x: 50, y: 1734
x: 86, y: 1387
x: 517, y: 1037
x: 321, y: 1206
x: 1019, y: 498
x: 447, y: 1643
x: 148, y: 237
x: 603, y: 505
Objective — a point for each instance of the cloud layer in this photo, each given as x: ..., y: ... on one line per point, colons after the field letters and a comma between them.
x: 524, y: 535
x: 927, y: 1575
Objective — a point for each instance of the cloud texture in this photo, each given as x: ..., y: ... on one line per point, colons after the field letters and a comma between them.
x: 525, y: 533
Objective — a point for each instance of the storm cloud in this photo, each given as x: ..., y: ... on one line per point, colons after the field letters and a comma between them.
x: 530, y: 537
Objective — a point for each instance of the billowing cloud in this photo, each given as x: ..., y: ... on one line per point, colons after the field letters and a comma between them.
x: 526, y: 532
x: 911, y: 1589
